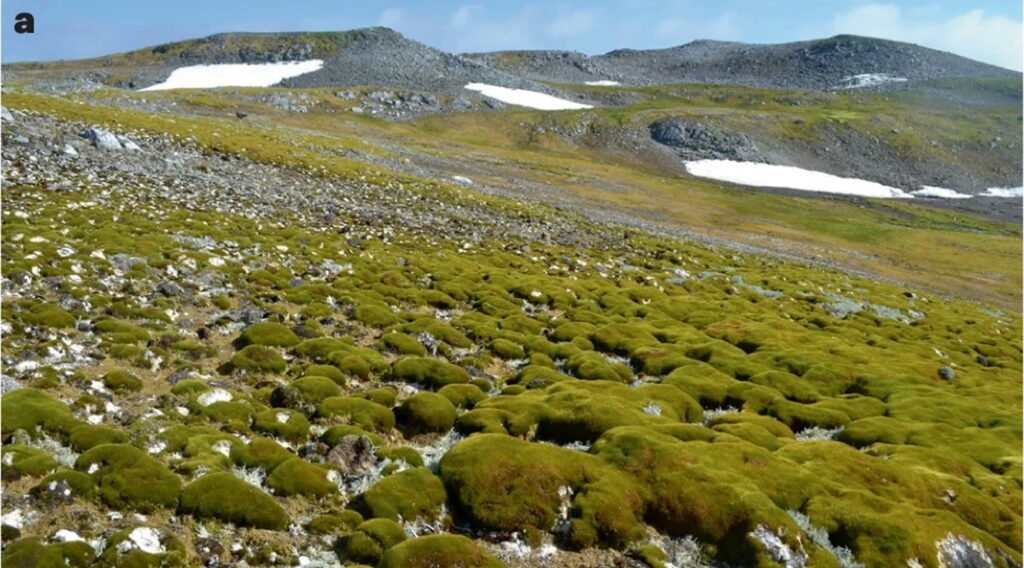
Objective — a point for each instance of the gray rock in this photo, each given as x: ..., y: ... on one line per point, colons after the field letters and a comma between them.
x: 101, y: 138
x: 694, y: 140
x: 5, y: 115
x: 69, y: 150
x: 8, y: 384
x: 127, y: 144
x: 170, y: 289
x: 352, y: 455
x: 946, y: 373
x: 124, y: 262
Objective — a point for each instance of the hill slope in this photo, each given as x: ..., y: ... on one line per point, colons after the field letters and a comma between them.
x: 368, y: 56
x: 819, y: 64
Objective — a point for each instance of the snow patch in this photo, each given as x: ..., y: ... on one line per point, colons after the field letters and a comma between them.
x: 522, y: 97
x: 930, y: 191
x: 235, y: 75
x: 1004, y: 192
x: 870, y: 80
x: 602, y: 83
x: 790, y: 177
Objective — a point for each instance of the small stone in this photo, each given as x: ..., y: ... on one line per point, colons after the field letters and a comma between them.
x: 352, y: 455
x: 946, y: 373
x: 102, y: 138
x: 170, y: 289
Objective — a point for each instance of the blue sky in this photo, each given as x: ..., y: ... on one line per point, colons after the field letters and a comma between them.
x: 989, y: 30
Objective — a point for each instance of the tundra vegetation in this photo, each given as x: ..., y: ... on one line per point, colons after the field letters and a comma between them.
x: 336, y: 386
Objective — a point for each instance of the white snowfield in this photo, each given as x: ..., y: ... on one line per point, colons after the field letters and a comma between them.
x: 235, y: 75
x: 522, y: 97
x: 931, y: 191
x: 789, y: 177
x: 869, y: 80
x: 1004, y: 192
x: 602, y: 83
x: 767, y: 175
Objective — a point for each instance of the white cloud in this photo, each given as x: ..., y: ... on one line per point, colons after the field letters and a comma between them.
x: 572, y: 24
x: 990, y: 38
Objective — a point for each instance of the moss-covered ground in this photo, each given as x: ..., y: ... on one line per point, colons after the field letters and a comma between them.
x: 583, y: 396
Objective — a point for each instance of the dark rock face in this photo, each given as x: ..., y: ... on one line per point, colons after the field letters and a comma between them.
x: 694, y: 140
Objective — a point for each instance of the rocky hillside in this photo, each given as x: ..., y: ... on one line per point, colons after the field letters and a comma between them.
x: 369, y: 56
x: 832, y: 63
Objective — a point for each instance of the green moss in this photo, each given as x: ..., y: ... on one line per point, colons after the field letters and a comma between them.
x: 116, y: 331
x: 438, y: 550
x: 434, y: 373
x: 463, y: 395
x: 504, y: 484
x: 356, y: 411
x: 260, y: 452
x: 337, y: 522
x: 127, y: 478
x: 651, y: 555
x: 288, y: 424
x: 369, y: 541
x: 507, y: 349
x: 25, y: 460
x: 314, y: 389
x: 32, y: 552
x: 32, y: 410
x: 236, y: 415
x: 591, y: 366
x: 384, y: 396
x: 329, y: 371
x: 318, y: 349
x: 87, y: 436
x: 403, y: 344
x: 271, y: 334
x: 48, y: 315
x: 400, y: 453
x: 114, y: 557
x: 333, y: 435
x: 409, y: 494
x: 426, y: 412
x: 376, y: 315
x: 224, y: 497
x: 120, y: 381
x: 190, y: 386
x: 353, y: 365
x: 80, y: 483
x: 258, y: 358
x: 299, y: 477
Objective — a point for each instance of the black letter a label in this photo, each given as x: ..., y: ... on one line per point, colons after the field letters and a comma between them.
x: 24, y: 23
